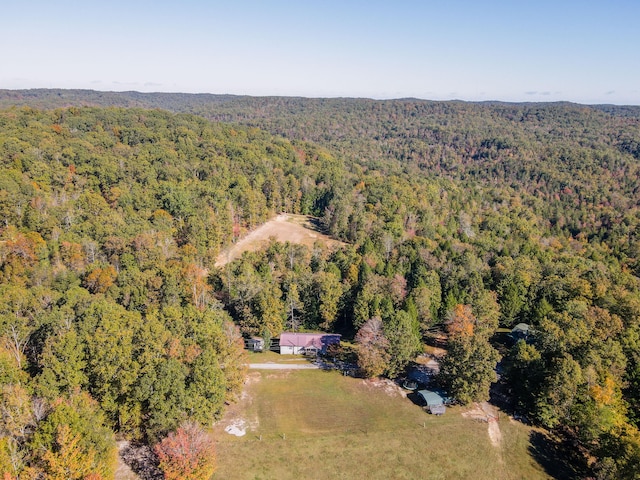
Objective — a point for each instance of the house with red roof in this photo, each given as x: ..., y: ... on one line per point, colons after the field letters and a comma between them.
x: 296, y: 343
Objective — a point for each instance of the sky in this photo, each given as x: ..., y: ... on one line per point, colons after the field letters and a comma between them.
x: 517, y: 50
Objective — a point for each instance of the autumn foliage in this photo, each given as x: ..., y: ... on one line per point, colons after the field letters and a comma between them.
x: 187, y: 454
x: 100, y: 279
x: 69, y: 460
x: 461, y: 321
x: 457, y: 216
x: 371, y: 348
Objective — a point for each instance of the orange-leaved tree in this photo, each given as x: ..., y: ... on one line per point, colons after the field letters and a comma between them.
x: 69, y: 460
x: 461, y: 321
x: 187, y: 454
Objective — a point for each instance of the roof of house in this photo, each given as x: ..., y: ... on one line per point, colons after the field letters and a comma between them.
x: 317, y: 340
x: 521, y: 327
x: 432, y: 398
x: 521, y: 330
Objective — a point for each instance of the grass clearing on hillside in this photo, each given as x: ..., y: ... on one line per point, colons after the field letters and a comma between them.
x: 318, y: 424
x: 286, y: 227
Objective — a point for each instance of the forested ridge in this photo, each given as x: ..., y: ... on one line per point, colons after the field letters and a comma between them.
x: 460, y: 218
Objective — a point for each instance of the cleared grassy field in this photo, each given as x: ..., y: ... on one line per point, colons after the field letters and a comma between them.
x: 321, y: 425
x: 300, y: 229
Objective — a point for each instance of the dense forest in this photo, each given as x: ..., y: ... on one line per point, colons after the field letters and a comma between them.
x: 459, y: 218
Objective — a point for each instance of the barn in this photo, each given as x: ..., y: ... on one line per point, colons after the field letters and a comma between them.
x: 303, y: 343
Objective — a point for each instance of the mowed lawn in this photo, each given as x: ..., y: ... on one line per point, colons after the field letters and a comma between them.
x: 321, y: 425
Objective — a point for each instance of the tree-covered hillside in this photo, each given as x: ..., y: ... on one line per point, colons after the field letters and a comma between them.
x: 579, y: 163
x: 111, y: 222
x: 460, y: 218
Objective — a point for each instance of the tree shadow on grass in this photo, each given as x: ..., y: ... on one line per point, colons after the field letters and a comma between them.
x: 417, y: 399
x: 559, y: 459
x: 314, y: 223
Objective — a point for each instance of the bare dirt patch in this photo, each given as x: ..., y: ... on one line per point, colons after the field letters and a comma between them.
x: 475, y: 413
x: 434, y: 352
x: 485, y: 412
x: 280, y: 374
x: 299, y: 229
x: 388, y: 386
x: 235, y: 421
x: 123, y: 471
x: 429, y: 364
x: 252, y: 377
x: 238, y: 427
x: 495, y: 435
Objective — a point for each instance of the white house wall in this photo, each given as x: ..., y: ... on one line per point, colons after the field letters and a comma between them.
x: 286, y: 350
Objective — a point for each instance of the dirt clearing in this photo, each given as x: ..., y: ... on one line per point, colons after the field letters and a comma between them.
x: 388, y: 386
x: 299, y: 229
x: 484, y: 412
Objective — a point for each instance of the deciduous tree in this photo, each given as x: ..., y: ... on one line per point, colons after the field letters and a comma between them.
x: 187, y: 454
x: 468, y: 368
x: 372, y: 348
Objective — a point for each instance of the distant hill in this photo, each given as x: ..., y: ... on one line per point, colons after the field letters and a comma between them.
x: 567, y: 156
x: 56, y: 98
x: 179, y: 102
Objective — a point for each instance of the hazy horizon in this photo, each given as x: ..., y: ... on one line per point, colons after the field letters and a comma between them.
x: 581, y: 52
x: 315, y: 97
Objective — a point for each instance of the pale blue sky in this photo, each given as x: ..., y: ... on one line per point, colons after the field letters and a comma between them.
x: 582, y: 51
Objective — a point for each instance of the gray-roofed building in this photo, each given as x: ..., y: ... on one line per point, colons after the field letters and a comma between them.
x: 435, y: 402
x: 521, y: 331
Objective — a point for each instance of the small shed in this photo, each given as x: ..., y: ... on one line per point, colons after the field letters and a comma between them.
x: 295, y: 343
x: 255, y: 344
x: 435, y: 402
